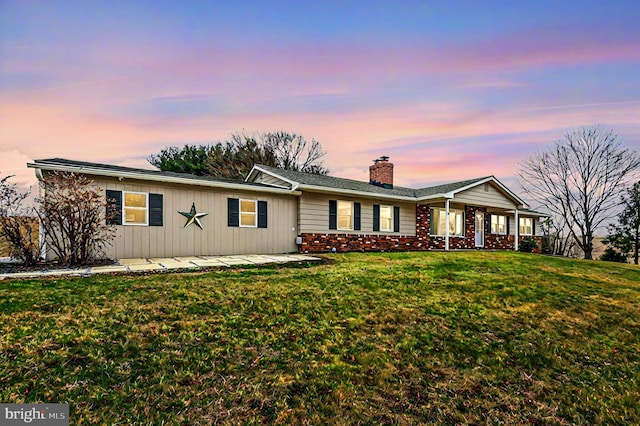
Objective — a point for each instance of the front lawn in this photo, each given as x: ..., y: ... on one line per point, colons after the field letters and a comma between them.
x: 475, y: 337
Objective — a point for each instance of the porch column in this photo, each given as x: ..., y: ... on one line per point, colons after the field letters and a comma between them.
x: 446, y: 227
x: 517, y: 232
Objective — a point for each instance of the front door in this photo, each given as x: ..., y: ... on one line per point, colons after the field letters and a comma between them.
x: 479, y: 229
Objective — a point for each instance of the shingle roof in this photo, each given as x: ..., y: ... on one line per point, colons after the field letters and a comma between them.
x: 88, y: 166
x: 303, y: 179
x: 337, y: 183
x: 447, y: 187
x: 356, y: 185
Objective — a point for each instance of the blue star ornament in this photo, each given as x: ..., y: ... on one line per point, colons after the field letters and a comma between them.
x: 193, y: 217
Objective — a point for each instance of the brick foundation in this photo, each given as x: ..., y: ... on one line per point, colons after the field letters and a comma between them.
x: 319, y: 243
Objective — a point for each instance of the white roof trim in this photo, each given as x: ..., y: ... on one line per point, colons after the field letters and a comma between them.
x: 157, y: 178
x: 255, y: 168
x: 528, y: 213
x: 483, y: 181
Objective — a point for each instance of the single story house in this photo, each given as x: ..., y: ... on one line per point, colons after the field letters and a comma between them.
x: 165, y: 214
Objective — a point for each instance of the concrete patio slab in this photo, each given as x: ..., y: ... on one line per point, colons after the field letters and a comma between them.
x: 172, y: 263
x: 55, y: 272
x: 208, y: 263
x: 147, y: 267
x: 163, y: 264
x: 236, y: 261
x: 134, y: 261
x: 107, y: 269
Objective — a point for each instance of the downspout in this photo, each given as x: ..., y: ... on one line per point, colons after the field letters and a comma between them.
x: 446, y: 227
x: 517, y: 232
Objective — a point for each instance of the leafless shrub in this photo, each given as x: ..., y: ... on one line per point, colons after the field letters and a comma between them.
x: 73, y: 216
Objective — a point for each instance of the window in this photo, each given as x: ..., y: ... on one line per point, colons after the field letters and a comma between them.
x: 439, y: 221
x: 498, y: 224
x: 135, y: 208
x: 386, y: 218
x: 248, y: 213
x: 526, y: 226
x: 345, y: 215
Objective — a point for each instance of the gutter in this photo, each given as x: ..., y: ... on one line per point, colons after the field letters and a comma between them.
x: 325, y: 190
x: 157, y: 178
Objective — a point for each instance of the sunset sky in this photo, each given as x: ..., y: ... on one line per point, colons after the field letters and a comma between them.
x: 449, y: 90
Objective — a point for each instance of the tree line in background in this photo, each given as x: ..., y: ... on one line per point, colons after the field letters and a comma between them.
x: 578, y: 182
x: 234, y: 158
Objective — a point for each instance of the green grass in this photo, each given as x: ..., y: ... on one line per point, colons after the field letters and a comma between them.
x: 400, y: 338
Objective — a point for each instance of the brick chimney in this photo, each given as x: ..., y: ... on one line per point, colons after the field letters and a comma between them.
x: 381, y: 172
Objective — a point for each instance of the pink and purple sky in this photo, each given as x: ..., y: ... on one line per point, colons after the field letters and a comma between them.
x: 448, y: 91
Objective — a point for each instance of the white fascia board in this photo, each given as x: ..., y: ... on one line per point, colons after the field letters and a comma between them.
x: 433, y: 197
x: 157, y: 178
x: 254, y: 169
x: 325, y: 190
x: 529, y: 213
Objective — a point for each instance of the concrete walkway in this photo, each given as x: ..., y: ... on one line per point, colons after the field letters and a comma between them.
x: 165, y: 264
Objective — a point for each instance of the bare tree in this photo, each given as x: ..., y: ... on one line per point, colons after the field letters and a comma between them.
x: 18, y: 225
x: 579, y: 178
x: 73, y: 216
x: 294, y: 152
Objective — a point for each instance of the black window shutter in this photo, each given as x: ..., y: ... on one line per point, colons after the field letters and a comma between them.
x: 356, y: 216
x: 333, y: 214
x: 432, y: 227
x: 155, y: 209
x: 506, y: 218
x: 489, y: 223
x: 114, y: 207
x: 376, y: 217
x: 533, y: 226
x: 233, y: 212
x: 262, y: 214
x: 396, y: 219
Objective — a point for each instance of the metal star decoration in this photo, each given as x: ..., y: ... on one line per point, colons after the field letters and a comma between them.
x: 193, y: 217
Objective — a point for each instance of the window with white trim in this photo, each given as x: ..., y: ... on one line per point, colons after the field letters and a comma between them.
x: 345, y: 215
x: 248, y: 213
x: 498, y: 224
x: 135, y: 208
x: 386, y: 218
x: 439, y: 221
x: 526, y: 226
